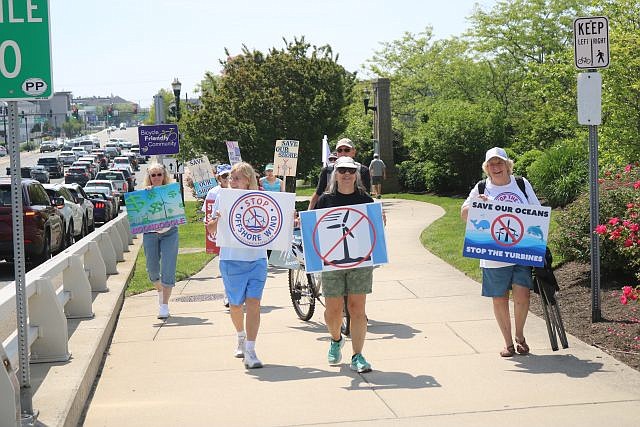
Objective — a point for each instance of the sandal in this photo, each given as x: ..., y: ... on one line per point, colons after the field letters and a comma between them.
x: 523, y: 348
x: 508, y: 351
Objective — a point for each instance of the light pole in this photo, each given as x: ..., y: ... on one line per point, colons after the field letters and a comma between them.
x: 176, y: 86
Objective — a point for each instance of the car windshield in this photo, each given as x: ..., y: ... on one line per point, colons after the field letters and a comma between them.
x: 47, y: 160
x: 76, y: 170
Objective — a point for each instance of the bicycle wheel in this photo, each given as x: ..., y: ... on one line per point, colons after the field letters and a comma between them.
x: 302, y: 293
x: 547, y: 318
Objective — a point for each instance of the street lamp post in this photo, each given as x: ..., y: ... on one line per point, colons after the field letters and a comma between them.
x: 176, y: 86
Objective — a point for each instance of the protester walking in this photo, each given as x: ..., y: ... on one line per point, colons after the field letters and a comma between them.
x: 222, y: 176
x: 498, y: 278
x: 344, y: 148
x: 161, y: 247
x: 346, y: 188
x: 378, y: 171
x: 244, y: 274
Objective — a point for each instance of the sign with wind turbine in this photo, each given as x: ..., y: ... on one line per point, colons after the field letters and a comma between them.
x: 343, y: 237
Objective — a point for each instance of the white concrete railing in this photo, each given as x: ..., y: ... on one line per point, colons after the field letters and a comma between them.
x: 84, y: 268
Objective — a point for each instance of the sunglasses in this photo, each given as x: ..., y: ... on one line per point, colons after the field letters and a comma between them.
x: 153, y: 175
x: 346, y: 170
x: 226, y: 176
x: 343, y: 150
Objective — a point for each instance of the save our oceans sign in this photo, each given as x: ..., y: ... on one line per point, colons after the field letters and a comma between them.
x: 25, y: 50
x: 158, y: 139
x: 255, y: 219
x: 202, y: 174
x: 343, y: 237
x: 159, y: 207
x: 285, y: 158
x: 507, y: 232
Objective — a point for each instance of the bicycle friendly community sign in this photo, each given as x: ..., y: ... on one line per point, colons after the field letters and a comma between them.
x: 159, y: 139
x: 507, y: 232
x: 25, y: 50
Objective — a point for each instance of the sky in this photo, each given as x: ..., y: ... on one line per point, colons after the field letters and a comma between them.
x: 133, y: 48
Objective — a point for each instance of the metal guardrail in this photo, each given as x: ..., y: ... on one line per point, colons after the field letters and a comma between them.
x: 84, y: 268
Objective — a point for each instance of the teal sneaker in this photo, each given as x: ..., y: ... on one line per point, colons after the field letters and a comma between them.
x: 335, y: 351
x: 360, y: 364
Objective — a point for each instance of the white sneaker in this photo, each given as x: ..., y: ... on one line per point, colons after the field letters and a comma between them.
x: 163, y: 312
x: 225, y: 301
x: 240, y: 349
x: 251, y: 360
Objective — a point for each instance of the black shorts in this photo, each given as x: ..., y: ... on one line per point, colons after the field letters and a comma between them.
x: 376, y: 180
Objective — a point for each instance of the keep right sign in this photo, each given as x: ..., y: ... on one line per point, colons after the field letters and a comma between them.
x: 591, y: 42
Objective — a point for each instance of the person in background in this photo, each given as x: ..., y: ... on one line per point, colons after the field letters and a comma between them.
x: 332, y: 158
x: 345, y: 188
x: 222, y: 176
x: 378, y: 171
x: 344, y: 148
x: 270, y: 182
x: 161, y: 247
x: 244, y: 274
x: 498, y: 278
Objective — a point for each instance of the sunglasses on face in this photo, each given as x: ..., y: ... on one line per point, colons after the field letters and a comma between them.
x: 343, y: 150
x: 224, y: 176
x: 153, y: 175
x: 346, y: 170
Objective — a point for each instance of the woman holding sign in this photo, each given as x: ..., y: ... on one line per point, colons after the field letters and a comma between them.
x: 345, y: 188
x: 161, y: 247
x: 498, y: 278
x: 244, y: 274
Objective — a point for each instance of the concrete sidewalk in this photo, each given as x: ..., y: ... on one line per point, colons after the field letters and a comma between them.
x: 432, y: 341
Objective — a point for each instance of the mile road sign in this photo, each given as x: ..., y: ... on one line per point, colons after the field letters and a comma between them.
x: 25, y: 50
x: 591, y: 42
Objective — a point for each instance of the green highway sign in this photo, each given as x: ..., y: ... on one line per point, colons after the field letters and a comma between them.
x: 25, y: 50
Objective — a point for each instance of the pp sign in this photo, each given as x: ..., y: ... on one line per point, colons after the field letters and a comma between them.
x: 25, y: 50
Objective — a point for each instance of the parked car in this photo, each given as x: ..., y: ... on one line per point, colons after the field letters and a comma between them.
x: 79, y: 174
x: 81, y: 198
x: 118, y: 178
x: 67, y: 157
x: 40, y: 173
x: 72, y: 213
x: 43, y: 224
x: 48, y: 146
x: 111, y: 186
x: 53, y: 165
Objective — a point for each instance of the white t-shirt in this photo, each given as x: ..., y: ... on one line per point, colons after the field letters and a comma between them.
x: 503, y: 193
x: 237, y: 254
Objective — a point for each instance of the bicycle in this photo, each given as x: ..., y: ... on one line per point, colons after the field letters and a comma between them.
x: 306, y: 288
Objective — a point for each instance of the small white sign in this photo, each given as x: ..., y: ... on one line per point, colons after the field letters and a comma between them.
x: 590, y: 99
x: 591, y: 42
x: 172, y: 165
x: 285, y: 157
x: 233, y: 148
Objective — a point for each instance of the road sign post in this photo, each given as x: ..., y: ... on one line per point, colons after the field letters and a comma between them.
x: 591, y: 52
x: 25, y: 51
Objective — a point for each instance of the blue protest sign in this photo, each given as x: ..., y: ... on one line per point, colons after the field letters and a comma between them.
x: 158, y: 139
x: 156, y: 208
x: 507, y: 232
x: 343, y: 237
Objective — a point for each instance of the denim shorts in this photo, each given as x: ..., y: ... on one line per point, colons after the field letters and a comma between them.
x: 337, y: 283
x: 161, y: 252
x: 243, y: 279
x: 497, y: 281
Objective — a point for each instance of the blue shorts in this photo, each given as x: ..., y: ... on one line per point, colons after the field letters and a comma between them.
x: 243, y: 279
x: 496, y: 282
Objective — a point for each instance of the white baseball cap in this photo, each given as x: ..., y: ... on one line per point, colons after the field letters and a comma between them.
x: 496, y: 152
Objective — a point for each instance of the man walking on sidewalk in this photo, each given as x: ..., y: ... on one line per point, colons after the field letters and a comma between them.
x: 378, y: 171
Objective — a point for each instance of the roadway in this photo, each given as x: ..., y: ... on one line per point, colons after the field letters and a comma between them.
x: 31, y: 159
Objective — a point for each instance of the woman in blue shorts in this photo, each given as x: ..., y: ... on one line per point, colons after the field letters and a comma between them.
x: 244, y: 274
x: 498, y: 278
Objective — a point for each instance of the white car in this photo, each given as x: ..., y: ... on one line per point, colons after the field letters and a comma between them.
x: 73, y: 213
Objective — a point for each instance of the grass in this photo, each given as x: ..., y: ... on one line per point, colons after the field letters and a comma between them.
x: 191, y: 235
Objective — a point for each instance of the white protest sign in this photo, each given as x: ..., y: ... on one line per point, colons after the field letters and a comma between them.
x: 255, y: 219
x: 202, y: 174
x: 233, y: 148
x: 507, y: 232
x: 285, y: 157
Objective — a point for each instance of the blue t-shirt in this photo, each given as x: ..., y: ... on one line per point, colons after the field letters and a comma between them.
x: 271, y: 187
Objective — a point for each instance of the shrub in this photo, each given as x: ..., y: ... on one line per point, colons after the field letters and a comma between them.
x: 411, y: 175
x: 313, y: 175
x: 573, y: 236
x: 523, y: 161
x: 560, y: 173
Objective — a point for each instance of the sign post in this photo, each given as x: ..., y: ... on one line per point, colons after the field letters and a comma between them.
x: 25, y: 69
x: 591, y: 51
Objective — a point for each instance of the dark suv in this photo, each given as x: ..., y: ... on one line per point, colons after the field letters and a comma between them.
x: 43, y: 224
x: 53, y: 165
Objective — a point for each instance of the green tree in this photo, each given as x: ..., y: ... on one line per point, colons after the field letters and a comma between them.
x: 297, y: 92
x: 72, y: 127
